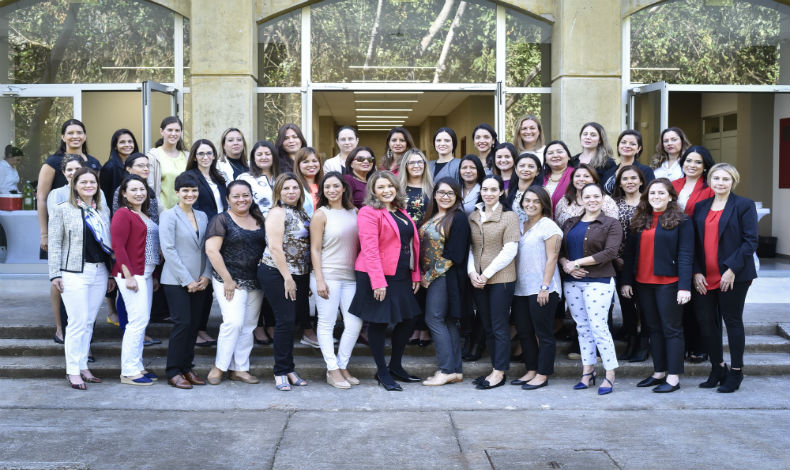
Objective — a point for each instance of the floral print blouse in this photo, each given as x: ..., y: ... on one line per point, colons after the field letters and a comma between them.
x: 296, y: 242
x: 432, y: 238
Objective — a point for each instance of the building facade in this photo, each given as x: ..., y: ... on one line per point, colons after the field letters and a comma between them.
x: 719, y: 69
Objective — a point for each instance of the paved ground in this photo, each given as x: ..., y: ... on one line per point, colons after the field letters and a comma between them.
x: 46, y: 425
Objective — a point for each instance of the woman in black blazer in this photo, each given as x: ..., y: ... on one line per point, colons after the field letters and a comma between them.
x: 659, y: 256
x: 726, y: 238
x: 202, y: 163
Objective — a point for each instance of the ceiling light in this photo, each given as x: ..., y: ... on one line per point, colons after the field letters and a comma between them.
x: 381, y: 116
x: 401, y: 110
x: 388, y: 92
x: 386, y: 101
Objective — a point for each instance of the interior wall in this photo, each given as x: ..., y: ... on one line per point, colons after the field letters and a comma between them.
x: 427, y: 128
x: 754, y: 157
x: 685, y: 111
x: 127, y: 112
x: 719, y: 103
x: 466, y: 116
x: 325, y: 144
x: 780, y: 210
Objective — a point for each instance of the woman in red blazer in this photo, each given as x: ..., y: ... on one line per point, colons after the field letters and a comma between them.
x: 136, y: 242
x: 388, y: 275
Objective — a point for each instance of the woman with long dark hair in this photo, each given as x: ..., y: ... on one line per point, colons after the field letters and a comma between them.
x: 527, y: 171
x: 556, y: 171
x: 596, y: 150
x: 672, y: 143
x: 289, y: 140
x: 504, y: 162
x: 484, y: 139
x: 658, y: 264
x: 202, y: 165
x: 399, y: 140
x: 136, y: 244
x: 168, y: 159
x: 444, y: 142
x: 492, y: 270
x: 571, y: 205
x: 444, y: 241
x: 387, y: 275
x: 235, y: 240
x: 122, y: 145
x: 629, y: 148
x: 284, y: 273
x: 334, y: 245
x: 307, y: 167
x: 538, y: 287
x: 360, y: 165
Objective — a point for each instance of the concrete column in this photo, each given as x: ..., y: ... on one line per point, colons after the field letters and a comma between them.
x: 585, y: 62
x: 224, y: 68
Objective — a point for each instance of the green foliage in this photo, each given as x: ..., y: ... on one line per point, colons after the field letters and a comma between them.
x: 734, y: 44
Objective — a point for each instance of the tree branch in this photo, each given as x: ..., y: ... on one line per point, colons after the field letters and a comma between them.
x: 441, y: 65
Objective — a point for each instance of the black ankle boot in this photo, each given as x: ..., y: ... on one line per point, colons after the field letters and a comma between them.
x: 732, y: 382
x: 642, y: 351
x: 717, y: 376
x: 630, y: 349
x: 466, y: 348
x: 477, y: 351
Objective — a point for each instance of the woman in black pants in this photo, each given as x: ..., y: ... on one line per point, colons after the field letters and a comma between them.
x: 185, y: 276
x: 726, y: 238
x: 387, y: 275
x: 658, y: 256
x: 284, y: 273
x: 538, y: 287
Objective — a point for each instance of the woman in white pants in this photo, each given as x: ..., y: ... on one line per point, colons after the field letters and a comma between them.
x: 234, y: 243
x: 79, y: 255
x: 136, y: 238
x: 334, y: 245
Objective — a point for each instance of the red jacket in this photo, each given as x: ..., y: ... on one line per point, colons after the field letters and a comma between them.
x: 128, y: 232
x: 379, y: 243
x: 697, y: 194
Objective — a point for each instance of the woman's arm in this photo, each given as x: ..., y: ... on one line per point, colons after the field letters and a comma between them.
x: 275, y: 229
x: 614, y: 237
x: 317, y: 225
x: 553, y: 244
x: 368, y: 224
x: 45, y: 178
x: 167, y: 241
x: 120, y: 227
x: 55, y: 232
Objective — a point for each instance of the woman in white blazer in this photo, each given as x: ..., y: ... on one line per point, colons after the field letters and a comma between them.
x: 185, y: 276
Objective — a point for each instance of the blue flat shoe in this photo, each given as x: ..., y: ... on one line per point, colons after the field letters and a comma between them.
x: 151, y: 376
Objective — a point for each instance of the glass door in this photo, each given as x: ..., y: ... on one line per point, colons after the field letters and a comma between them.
x: 159, y: 101
x: 648, y: 111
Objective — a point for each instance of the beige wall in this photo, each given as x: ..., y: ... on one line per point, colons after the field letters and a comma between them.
x: 466, y: 116
x: 755, y: 156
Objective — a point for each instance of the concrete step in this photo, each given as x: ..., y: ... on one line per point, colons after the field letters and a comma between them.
x: 112, y: 347
x: 313, y: 366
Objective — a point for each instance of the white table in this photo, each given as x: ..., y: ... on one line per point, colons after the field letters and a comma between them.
x: 22, y: 235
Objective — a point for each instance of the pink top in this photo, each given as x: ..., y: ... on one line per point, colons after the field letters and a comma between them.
x: 379, y: 243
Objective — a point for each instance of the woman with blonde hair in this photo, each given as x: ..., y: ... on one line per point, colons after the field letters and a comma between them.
x: 596, y: 150
x: 528, y: 136
x: 232, y: 160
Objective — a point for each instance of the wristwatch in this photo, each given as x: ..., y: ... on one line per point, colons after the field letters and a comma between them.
x: 576, y: 265
x: 544, y: 287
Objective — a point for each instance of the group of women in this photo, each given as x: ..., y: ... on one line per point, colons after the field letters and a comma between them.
x: 410, y: 244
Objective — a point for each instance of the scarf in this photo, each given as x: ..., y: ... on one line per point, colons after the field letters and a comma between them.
x: 96, y: 225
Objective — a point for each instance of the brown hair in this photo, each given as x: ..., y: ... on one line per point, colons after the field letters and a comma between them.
x: 301, y: 155
x: 278, y: 189
x: 571, y: 191
x: 672, y: 216
x: 73, y: 197
x: 373, y: 201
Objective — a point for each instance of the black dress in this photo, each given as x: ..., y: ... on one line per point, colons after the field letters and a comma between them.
x: 399, y: 304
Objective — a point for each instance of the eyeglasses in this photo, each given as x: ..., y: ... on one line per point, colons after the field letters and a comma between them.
x: 416, y: 163
x: 205, y: 154
x: 141, y: 166
x: 445, y: 194
x: 364, y: 159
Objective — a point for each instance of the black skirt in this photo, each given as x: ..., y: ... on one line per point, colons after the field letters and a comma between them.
x: 399, y: 304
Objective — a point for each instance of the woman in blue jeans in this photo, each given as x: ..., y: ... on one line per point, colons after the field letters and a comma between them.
x: 444, y: 242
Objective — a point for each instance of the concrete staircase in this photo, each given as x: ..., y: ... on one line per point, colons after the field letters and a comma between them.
x: 28, y: 351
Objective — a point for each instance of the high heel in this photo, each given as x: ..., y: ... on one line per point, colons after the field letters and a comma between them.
x: 390, y: 387
x: 718, y: 375
x: 732, y: 382
x: 581, y: 385
x: 606, y: 390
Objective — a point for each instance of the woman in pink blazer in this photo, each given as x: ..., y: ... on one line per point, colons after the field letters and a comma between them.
x: 388, y: 275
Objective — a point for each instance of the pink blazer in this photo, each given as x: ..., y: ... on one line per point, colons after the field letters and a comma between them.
x: 379, y: 243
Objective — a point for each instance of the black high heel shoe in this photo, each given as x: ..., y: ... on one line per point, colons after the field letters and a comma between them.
x: 390, y: 387
x: 732, y: 382
x: 403, y: 376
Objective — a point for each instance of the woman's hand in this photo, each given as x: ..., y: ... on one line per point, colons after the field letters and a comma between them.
x: 45, y: 241
x: 425, y: 283
x: 131, y: 284
x: 627, y: 291
x: 290, y: 288
x: 415, y: 286
x: 155, y: 284
x: 700, y: 283
x: 229, y: 289
x: 727, y: 280
x: 58, y: 283
x: 568, y: 267
x: 202, y: 283
x: 543, y: 297
x: 380, y: 293
x: 192, y: 287
x: 478, y: 280
x: 110, y: 285
x: 322, y: 289
x: 683, y: 297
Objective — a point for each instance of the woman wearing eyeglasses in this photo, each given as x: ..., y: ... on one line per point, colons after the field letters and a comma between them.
x: 359, y: 165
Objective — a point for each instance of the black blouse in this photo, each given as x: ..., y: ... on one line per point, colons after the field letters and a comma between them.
x: 241, y: 250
